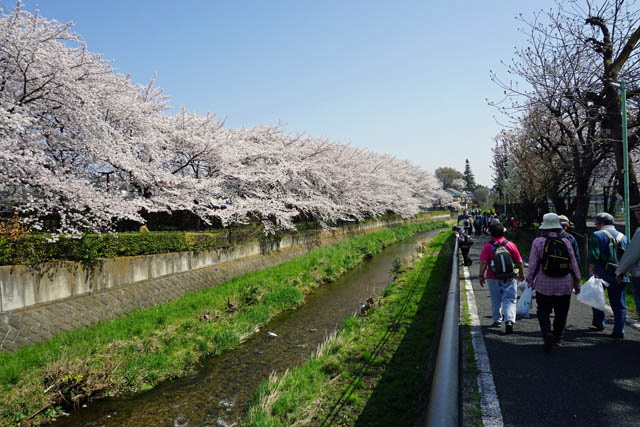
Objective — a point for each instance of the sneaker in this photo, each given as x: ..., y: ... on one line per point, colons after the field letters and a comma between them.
x: 559, y: 342
x: 617, y: 335
x: 496, y: 323
x: 598, y: 327
x: 508, y: 328
x: 549, y: 340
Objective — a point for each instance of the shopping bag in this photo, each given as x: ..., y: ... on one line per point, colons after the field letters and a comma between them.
x: 522, y: 286
x: 524, y: 303
x: 592, y: 293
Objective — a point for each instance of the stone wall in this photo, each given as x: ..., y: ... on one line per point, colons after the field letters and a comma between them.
x: 40, y: 301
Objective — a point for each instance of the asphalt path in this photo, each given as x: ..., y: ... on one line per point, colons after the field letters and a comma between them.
x: 592, y: 380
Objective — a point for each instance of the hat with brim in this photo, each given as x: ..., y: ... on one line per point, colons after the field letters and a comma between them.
x: 563, y: 219
x: 604, y: 218
x: 550, y: 221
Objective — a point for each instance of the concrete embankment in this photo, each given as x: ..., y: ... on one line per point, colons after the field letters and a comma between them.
x: 37, y: 302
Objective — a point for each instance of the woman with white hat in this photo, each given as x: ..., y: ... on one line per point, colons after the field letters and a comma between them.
x: 553, y: 274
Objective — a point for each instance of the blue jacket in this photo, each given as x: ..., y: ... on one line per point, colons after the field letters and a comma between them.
x: 598, y: 243
x: 574, y: 244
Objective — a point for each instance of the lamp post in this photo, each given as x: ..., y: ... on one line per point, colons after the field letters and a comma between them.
x: 488, y: 199
x: 625, y: 158
x: 504, y: 197
x: 625, y: 154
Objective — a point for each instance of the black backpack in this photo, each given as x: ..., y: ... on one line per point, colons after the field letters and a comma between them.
x: 613, y: 253
x: 502, y: 264
x: 464, y: 240
x: 555, y: 257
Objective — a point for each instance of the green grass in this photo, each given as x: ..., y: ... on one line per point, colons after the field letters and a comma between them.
x: 632, y: 310
x: 472, y: 411
x: 138, y: 351
x: 373, y: 371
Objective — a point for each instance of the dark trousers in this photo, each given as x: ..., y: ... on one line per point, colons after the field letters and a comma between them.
x: 618, y: 300
x: 466, y: 260
x: 559, y: 304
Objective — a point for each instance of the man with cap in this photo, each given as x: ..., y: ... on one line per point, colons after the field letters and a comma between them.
x: 598, y: 257
x: 566, y: 226
x: 631, y: 261
x: 553, y: 288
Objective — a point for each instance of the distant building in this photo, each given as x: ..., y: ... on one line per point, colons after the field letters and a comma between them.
x: 463, y: 198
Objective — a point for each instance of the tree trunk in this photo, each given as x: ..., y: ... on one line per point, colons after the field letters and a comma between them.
x: 581, y: 206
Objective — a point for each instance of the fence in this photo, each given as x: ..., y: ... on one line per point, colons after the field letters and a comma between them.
x: 444, y: 406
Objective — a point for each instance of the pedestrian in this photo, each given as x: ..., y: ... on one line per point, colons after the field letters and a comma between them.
x: 464, y: 243
x: 603, y: 246
x: 485, y: 222
x: 631, y: 261
x: 553, y: 273
x: 466, y: 224
x: 477, y: 225
x: 566, y: 232
x: 502, y: 283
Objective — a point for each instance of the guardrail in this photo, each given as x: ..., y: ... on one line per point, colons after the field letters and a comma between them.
x: 444, y: 407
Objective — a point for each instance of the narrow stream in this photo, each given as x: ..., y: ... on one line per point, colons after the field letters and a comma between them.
x: 219, y: 393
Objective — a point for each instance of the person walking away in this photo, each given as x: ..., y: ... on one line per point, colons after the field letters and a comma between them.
x: 605, y: 248
x: 630, y: 261
x: 466, y: 224
x: 553, y: 273
x: 485, y: 223
x: 503, y: 257
x: 477, y: 225
x: 464, y: 243
x: 566, y: 232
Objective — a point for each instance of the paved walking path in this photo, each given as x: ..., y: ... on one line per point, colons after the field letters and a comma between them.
x: 592, y: 380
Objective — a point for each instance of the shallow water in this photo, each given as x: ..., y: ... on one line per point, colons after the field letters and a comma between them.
x: 219, y: 393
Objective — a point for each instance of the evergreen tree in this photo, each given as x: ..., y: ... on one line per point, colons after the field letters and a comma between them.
x: 468, y: 177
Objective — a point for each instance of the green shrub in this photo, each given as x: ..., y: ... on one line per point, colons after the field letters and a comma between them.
x: 38, y: 248
x: 5, y: 250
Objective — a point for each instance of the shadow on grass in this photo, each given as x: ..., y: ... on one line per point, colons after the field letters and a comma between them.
x: 401, y: 393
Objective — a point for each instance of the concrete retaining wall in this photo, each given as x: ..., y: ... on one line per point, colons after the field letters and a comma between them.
x: 41, y: 301
x: 23, y: 286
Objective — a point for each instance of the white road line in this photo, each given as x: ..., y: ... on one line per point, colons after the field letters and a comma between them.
x: 489, y: 403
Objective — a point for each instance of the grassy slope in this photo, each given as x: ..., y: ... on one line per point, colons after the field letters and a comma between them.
x: 373, y: 371
x: 138, y: 351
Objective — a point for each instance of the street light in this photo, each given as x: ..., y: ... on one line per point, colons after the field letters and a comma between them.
x: 625, y: 154
x: 504, y: 196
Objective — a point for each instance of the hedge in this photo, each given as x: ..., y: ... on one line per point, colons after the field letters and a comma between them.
x: 38, y: 248
x: 35, y: 249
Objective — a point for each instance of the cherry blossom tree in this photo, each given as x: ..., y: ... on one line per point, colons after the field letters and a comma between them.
x: 83, y: 147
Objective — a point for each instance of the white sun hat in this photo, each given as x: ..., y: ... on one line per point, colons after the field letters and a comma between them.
x: 550, y: 221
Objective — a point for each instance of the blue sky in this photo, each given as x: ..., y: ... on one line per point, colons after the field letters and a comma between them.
x: 409, y: 78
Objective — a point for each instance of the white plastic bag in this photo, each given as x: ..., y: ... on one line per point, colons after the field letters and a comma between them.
x: 522, y: 285
x: 524, y: 303
x: 592, y: 293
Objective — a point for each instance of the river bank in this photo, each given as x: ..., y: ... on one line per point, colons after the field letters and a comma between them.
x: 374, y: 371
x: 139, y: 351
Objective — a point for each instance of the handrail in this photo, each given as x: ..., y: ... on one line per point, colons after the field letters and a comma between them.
x: 444, y: 399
